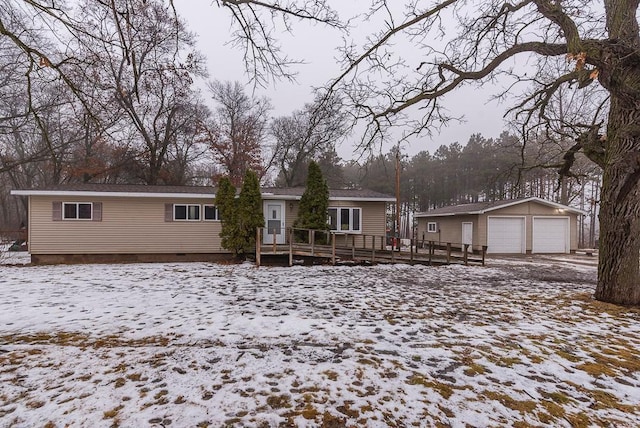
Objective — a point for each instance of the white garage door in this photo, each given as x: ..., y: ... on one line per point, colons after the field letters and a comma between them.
x: 505, y: 235
x: 550, y: 235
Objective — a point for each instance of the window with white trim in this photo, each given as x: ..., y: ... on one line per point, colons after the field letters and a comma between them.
x: 345, y: 219
x: 432, y: 227
x: 77, y: 211
x: 210, y: 212
x: 186, y: 212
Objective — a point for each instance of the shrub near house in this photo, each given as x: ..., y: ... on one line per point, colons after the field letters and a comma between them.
x: 314, y: 205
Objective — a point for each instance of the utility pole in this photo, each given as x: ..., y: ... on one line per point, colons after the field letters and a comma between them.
x: 397, y: 237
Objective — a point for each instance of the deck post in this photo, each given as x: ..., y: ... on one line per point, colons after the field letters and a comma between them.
x: 275, y: 248
x: 411, y: 257
x: 290, y: 247
x: 258, y: 240
x: 448, y: 252
x: 466, y: 254
x: 484, y: 252
x: 353, y: 246
x: 393, y: 254
x: 430, y: 251
x: 373, y: 249
x: 312, y: 240
x: 333, y: 249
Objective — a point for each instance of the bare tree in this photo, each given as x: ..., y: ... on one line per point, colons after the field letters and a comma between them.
x: 132, y: 55
x: 308, y: 134
x: 152, y: 82
x: 189, y: 147
x: 238, y: 130
x: 258, y: 22
x: 566, y: 114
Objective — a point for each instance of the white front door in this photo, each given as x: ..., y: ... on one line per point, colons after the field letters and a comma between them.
x: 274, y: 222
x: 467, y: 233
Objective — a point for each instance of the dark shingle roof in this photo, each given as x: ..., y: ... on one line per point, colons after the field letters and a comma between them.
x: 127, y: 188
x: 468, y: 208
x: 482, y: 207
x: 291, y: 192
x: 334, y: 193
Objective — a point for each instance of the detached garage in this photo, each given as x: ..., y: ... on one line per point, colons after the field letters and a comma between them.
x: 515, y: 226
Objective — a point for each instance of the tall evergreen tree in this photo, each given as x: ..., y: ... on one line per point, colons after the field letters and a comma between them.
x: 227, y: 208
x: 250, y: 215
x: 314, y: 204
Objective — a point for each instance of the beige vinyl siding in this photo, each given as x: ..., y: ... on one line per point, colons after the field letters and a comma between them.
x: 291, y: 212
x: 128, y: 226
x: 450, y: 228
x: 373, y: 222
x: 373, y: 219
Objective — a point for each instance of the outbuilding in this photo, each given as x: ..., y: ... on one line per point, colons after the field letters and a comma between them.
x: 515, y: 226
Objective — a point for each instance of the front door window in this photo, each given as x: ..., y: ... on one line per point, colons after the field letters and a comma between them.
x: 274, y: 221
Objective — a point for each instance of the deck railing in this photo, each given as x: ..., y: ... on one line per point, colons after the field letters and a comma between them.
x: 336, y: 245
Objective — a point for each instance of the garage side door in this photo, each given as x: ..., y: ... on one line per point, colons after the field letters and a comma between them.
x: 505, y: 235
x: 550, y: 235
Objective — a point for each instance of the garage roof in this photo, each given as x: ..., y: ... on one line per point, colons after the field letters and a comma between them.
x: 484, y: 207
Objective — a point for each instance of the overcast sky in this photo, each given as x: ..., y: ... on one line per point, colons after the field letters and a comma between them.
x: 316, y: 46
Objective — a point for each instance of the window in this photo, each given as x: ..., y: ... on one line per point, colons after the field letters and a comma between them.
x: 345, y: 219
x: 211, y: 212
x: 432, y: 227
x: 77, y: 210
x: 187, y: 212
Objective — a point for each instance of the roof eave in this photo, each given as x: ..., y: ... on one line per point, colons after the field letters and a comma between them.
x: 362, y: 199
x: 541, y: 201
x: 505, y: 205
x: 448, y: 214
x: 95, y: 194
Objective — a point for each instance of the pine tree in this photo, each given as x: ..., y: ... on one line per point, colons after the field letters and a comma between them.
x: 314, y: 204
x: 227, y: 208
x: 250, y: 215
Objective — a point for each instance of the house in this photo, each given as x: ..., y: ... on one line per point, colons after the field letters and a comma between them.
x: 528, y: 225
x: 102, y: 222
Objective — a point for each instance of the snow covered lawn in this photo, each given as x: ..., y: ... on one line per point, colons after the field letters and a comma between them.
x: 517, y: 343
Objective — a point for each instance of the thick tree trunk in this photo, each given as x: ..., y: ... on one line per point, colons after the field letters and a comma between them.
x: 618, y: 269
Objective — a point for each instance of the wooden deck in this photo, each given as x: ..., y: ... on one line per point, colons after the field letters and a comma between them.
x: 343, y: 248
